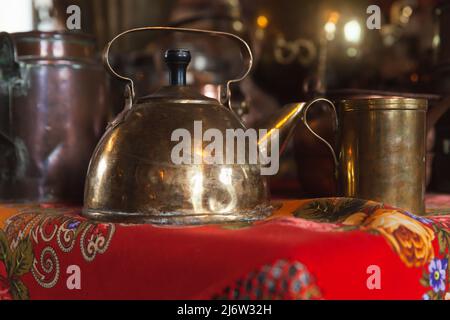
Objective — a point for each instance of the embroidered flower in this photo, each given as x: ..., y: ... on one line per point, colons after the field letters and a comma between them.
x: 411, y: 239
x: 438, y: 269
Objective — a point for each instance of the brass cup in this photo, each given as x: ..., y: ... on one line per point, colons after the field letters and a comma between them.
x: 381, y: 150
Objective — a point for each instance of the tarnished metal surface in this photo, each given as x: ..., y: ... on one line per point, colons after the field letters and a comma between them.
x: 132, y: 177
x: 57, y: 109
x: 382, y: 151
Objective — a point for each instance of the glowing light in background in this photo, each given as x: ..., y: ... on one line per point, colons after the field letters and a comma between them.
x: 352, y: 52
x: 352, y: 31
x: 436, y: 41
x: 238, y: 26
x: 330, y: 26
x: 407, y: 11
x: 330, y: 30
x: 200, y: 62
x: 334, y: 17
x: 262, y: 21
x: 405, y: 15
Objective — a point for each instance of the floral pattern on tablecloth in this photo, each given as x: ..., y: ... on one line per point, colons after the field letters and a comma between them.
x: 34, y: 239
x: 38, y: 227
x: 15, y: 261
x: 410, y: 236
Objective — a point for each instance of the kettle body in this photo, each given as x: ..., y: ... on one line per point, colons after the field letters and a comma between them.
x: 132, y: 176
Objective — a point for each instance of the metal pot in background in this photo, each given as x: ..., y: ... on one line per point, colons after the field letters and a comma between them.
x: 54, y: 106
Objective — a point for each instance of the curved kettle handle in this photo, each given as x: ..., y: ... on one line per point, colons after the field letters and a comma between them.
x: 245, y: 50
x: 305, y: 121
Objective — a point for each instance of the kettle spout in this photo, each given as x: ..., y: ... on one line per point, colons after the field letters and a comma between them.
x: 282, y: 127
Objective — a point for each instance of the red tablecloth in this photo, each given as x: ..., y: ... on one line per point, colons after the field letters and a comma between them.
x: 309, y: 249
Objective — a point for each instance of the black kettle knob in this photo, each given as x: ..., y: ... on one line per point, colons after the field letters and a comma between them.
x: 177, y: 61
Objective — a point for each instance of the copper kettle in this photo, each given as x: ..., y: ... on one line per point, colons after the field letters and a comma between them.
x: 132, y: 177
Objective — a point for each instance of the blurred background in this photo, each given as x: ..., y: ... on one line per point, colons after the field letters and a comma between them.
x: 303, y: 49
